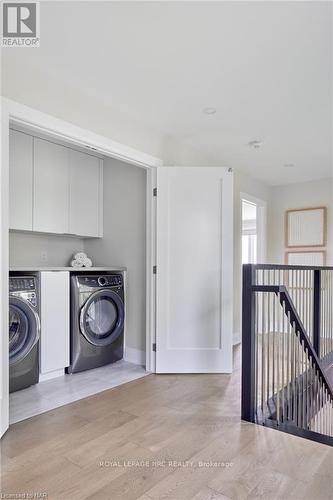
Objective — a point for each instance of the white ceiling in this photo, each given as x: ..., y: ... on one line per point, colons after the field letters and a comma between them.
x: 265, y: 66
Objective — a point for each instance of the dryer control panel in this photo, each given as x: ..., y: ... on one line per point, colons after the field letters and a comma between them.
x: 24, y: 287
x: 105, y: 280
x: 21, y: 284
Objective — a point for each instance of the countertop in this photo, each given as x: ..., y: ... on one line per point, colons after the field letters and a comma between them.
x: 69, y: 269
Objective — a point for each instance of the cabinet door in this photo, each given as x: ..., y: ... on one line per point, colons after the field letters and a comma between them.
x: 85, y: 214
x: 51, y: 187
x: 20, y: 180
x: 54, y: 352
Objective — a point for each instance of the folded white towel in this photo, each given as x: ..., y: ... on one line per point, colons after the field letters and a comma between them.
x: 80, y: 256
x: 76, y: 263
x: 87, y: 262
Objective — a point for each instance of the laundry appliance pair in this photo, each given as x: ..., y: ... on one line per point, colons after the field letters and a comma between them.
x: 97, y: 324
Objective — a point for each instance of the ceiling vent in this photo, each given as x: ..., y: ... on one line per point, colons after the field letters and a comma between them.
x: 255, y: 144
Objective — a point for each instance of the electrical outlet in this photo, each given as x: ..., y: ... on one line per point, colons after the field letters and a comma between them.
x: 44, y: 256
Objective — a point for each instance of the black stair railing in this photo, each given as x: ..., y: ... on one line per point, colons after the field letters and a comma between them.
x: 287, y: 349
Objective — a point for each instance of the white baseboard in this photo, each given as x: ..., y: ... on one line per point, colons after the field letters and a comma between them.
x: 135, y: 356
x: 50, y: 375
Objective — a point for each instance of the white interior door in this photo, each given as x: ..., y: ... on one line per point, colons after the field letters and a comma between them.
x: 194, y: 289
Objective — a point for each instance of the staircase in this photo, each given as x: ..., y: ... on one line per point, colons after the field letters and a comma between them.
x: 287, y: 350
x: 329, y: 374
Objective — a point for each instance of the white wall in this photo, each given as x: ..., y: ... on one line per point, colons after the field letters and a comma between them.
x: 307, y: 194
x: 50, y: 95
x: 177, y: 153
x: 25, y: 249
x: 279, y: 199
x: 243, y: 184
x: 124, y: 241
x: 72, y: 105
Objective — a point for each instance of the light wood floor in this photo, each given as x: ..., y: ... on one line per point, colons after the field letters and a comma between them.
x: 161, y: 437
x: 51, y: 394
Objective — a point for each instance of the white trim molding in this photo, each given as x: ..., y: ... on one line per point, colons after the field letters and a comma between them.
x: 261, y: 221
x: 4, y: 263
x: 41, y: 122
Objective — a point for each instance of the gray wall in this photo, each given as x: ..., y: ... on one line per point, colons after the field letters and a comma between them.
x: 26, y: 249
x: 124, y: 241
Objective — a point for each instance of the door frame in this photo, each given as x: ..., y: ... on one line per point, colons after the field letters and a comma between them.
x: 262, y: 224
x: 15, y: 113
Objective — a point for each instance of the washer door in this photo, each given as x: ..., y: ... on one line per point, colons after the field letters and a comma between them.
x: 23, y: 329
x: 102, y: 317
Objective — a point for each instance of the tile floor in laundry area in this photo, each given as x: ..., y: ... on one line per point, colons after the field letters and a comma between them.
x: 51, y: 394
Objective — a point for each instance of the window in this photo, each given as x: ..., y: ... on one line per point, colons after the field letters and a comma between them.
x: 249, y: 233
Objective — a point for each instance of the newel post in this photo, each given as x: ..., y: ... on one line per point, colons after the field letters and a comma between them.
x: 248, y: 344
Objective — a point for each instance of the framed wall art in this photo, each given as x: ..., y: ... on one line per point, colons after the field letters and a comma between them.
x: 306, y: 258
x: 306, y: 227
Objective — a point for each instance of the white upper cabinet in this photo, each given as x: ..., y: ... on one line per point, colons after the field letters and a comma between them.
x: 51, y: 187
x: 20, y: 180
x: 85, y: 213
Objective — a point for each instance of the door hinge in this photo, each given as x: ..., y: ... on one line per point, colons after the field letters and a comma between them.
x: 155, y: 192
x: 154, y: 347
x: 154, y: 269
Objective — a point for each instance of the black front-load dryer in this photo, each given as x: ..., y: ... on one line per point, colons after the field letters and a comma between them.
x: 24, y: 331
x: 97, y: 320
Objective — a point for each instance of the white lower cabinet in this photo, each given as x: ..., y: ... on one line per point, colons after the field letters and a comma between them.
x: 55, y: 323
